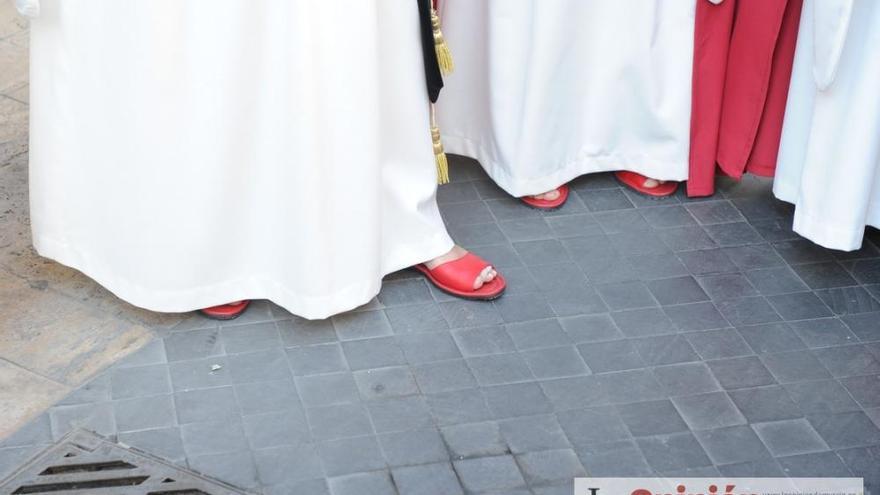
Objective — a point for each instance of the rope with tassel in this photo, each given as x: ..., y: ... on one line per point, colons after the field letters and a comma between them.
x: 444, y: 55
x: 439, y: 153
x: 444, y: 59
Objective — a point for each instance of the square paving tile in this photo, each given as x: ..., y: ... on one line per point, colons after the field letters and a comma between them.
x: 616, y: 355
x: 771, y: 337
x: 350, y: 455
x: 848, y: 300
x: 368, y: 483
x: 277, y: 428
x: 824, y: 275
x: 695, y: 317
x: 474, y: 440
x: 550, y: 466
x: 799, y: 306
x: 247, y: 338
x: 823, y: 464
x: 686, y: 379
x: 791, y: 437
x: 489, y: 473
x: 795, y: 366
x: 772, y: 281
x: 643, y: 322
x: 665, y: 349
x: 621, y: 458
x: 439, y: 479
x: 823, y: 396
x: 360, y: 354
x: 399, y: 414
x: 727, y: 286
x: 593, y: 425
x: 732, y: 444
x: 740, y: 372
x: 848, y: 360
x: 719, y: 344
x: 676, y: 451
x: 626, y: 295
x: 865, y: 326
x: 708, y: 411
x: 754, y: 256
x: 680, y: 290
x: 555, y: 362
x: 143, y: 381
x: 823, y: 332
x: 748, y: 311
x: 864, y: 389
x: 483, y: 340
x: 574, y: 393
x: 765, y: 404
x: 206, y: 405
x: 651, y: 418
x: 326, y: 390
x: 848, y: 429
x: 413, y: 447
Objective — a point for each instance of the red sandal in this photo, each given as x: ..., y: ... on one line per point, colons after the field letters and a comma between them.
x: 548, y: 204
x: 226, y: 311
x: 457, y: 278
x: 637, y: 182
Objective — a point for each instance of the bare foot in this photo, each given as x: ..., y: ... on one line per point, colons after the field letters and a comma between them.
x: 547, y: 196
x: 652, y: 183
x: 487, y: 275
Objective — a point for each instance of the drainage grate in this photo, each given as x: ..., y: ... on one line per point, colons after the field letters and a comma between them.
x: 84, y: 463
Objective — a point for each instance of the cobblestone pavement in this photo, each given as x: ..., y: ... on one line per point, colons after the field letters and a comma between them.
x: 638, y: 337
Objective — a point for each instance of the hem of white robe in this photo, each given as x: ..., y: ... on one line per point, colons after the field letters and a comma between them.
x: 565, y: 172
x: 182, y: 301
x: 848, y: 238
x: 819, y: 232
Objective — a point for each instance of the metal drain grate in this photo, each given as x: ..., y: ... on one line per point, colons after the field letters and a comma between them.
x: 84, y: 463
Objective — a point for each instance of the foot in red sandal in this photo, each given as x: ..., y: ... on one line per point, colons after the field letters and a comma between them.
x: 646, y: 185
x: 549, y: 200
x: 464, y: 275
x: 229, y: 311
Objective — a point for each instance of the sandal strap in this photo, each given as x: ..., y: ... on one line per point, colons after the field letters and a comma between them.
x: 460, y: 274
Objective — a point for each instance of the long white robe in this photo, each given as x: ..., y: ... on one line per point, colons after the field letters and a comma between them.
x: 547, y: 90
x: 829, y: 158
x: 190, y: 153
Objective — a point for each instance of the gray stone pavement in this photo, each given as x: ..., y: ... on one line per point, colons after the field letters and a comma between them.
x: 638, y: 337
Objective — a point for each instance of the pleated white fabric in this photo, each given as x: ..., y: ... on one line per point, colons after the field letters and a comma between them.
x: 547, y: 90
x: 829, y: 158
x: 190, y: 153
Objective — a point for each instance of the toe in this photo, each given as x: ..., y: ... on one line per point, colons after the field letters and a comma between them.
x: 651, y: 183
x: 552, y: 195
x: 547, y: 196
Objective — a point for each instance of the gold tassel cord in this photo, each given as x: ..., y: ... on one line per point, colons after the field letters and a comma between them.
x: 439, y: 154
x: 444, y: 55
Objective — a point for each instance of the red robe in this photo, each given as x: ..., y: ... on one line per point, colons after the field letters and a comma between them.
x: 743, y: 55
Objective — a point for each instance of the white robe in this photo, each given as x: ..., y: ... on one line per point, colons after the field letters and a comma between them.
x: 829, y: 158
x: 186, y: 154
x: 547, y: 90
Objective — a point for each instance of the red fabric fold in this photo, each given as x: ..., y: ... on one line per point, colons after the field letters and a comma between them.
x: 743, y: 55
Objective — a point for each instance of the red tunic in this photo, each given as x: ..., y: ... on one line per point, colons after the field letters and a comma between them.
x: 743, y: 54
